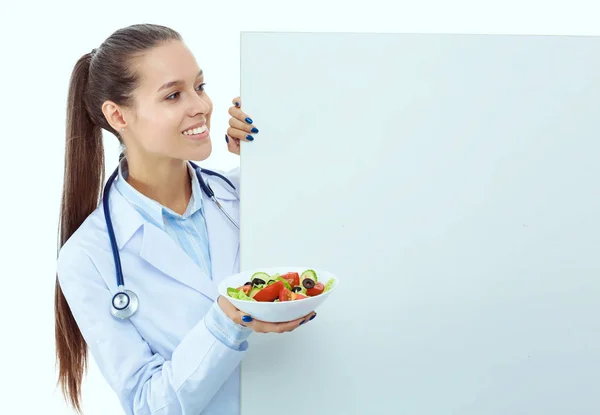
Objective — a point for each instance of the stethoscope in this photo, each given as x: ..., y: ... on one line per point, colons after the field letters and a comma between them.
x: 125, y: 303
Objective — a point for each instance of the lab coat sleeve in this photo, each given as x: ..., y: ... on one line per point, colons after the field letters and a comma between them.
x: 145, y: 382
x: 229, y: 333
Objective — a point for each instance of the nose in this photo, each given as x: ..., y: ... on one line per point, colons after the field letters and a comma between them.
x: 199, y: 104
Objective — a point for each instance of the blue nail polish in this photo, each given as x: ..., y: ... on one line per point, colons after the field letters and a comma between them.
x: 302, y: 322
x: 237, y: 104
x: 226, y: 138
x: 249, y: 138
x: 314, y: 315
x: 249, y: 120
x: 254, y: 129
x: 246, y: 319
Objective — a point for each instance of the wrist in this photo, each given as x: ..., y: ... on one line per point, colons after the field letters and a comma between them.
x: 229, y: 310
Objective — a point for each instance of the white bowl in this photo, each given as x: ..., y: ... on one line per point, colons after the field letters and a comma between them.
x: 277, y: 312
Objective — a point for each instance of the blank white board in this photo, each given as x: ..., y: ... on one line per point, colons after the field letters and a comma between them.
x: 452, y: 183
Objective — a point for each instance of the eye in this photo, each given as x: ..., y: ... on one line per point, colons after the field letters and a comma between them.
x: 175, y: 95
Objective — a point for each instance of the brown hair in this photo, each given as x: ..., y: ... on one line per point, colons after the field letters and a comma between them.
x: 103, y: 74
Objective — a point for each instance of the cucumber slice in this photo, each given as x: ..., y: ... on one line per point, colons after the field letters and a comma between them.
x: 262, y: 275
x: 309, y: 273
x: 253, y: 292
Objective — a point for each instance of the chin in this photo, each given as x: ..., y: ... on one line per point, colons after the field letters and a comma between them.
x: 202, y: 152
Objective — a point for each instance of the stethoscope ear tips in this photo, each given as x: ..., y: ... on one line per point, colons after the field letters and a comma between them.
x: 124, y: 304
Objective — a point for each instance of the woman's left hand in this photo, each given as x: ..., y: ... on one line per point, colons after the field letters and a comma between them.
x: 241, y: 127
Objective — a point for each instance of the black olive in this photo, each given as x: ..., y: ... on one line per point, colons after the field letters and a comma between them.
x: 271, y: 282
x: 248, y: 283
x: 296, y: 289
x: 257, y: 281
x: 308, y: 283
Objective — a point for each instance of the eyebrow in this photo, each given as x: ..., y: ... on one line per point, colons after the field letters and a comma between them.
x: 178, y: 82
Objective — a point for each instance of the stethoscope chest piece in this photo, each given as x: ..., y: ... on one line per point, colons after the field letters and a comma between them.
x: 124, y: 304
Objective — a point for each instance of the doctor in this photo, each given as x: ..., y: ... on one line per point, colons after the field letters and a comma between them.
x: 171, y: 345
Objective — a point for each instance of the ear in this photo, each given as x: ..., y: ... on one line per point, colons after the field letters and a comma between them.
x: 115, y: 115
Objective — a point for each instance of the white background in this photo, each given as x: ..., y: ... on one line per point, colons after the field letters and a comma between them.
x: 39, y: 44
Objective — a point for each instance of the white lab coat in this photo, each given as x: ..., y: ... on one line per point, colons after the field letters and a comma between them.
x: 163, y: 360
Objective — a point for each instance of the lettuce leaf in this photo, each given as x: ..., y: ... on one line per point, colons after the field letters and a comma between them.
x: 329, y: 285
x: 238, y: 294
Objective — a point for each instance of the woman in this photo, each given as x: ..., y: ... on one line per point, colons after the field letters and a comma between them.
x: 181, y: 351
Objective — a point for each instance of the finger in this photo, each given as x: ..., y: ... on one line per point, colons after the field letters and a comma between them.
x: 239, y: 134
x: 264, y: 327
x: 293, y: 325
x: 240, y: 115
x: 308, y: 318
x: 237, y: 101
x: 233, y: 144
x: 256, y: 325
x: 238, y: 125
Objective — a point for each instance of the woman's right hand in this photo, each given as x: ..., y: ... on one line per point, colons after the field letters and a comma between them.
x: 261, y: 326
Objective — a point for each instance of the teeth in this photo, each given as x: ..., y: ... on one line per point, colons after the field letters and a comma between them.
x: 194, y: 131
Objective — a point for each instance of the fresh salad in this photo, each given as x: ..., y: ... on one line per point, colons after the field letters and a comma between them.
x: 292, y: 286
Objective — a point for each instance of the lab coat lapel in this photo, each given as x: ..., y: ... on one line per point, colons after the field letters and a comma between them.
x: 163, y: 253
x: 157, y: 247
x: 223, y: 235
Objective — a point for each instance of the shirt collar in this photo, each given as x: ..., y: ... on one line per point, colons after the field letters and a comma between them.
x: 151, y: 209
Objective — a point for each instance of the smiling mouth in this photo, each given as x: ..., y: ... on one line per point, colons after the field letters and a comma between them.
x: 195, y: 131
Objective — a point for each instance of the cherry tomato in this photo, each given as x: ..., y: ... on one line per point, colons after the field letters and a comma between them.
x: 270, y: 292
x: 316, y: 290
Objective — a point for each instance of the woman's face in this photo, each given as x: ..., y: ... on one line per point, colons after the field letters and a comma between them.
x: 171, y: 115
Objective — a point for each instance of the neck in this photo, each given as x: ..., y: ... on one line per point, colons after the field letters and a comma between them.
x: 166, y: 181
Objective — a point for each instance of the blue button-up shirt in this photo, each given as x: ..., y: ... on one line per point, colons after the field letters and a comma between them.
x: 190, y: 233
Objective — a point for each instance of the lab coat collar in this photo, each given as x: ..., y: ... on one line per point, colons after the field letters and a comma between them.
x: 125, y: 218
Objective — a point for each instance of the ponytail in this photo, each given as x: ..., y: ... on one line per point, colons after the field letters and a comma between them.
x: 83, y: 178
